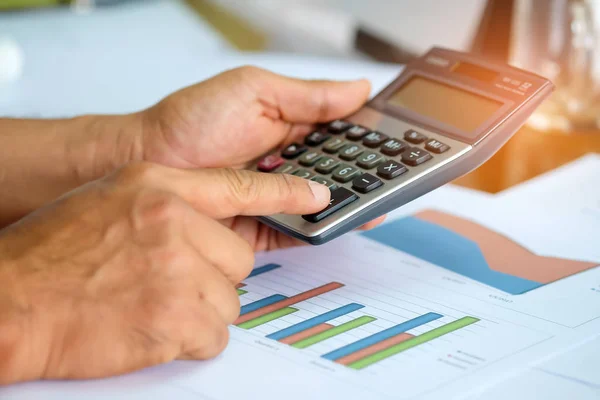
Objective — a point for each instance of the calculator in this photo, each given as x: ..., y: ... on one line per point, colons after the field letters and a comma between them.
x: 443, y: 116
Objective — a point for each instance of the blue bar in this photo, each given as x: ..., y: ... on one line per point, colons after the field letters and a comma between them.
x: 263, y: 269
x: 314, y: 321
x: 381, y: 336
x: 255, y: 305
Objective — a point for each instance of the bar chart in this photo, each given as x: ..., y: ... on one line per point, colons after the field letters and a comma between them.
x: 309, y: 332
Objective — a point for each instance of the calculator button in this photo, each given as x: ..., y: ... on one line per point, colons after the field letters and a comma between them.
x: 350, y: 152
x: 393, y: 147
x: 356, y: 132
x: 326, y: 165
x: 414, y: 137
x: 330, y: 184
x: 316, y: 138
x: 369, y: 160
x: 293, y: 150
x: 338, y: 126
x: 436, y: 147
x: 345, y: 173
x: 415, y: 156
x: 374, y: 139
x: 340, y: 198
x: 286, y: 168
x: 391, y: 169
x: 302, y: 173
x: 310, y: 158
x: 334, y: 145
x: 365, y: 183
x: 269, y: 163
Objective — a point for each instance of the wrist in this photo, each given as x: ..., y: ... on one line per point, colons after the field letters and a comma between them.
x: 96, y: 145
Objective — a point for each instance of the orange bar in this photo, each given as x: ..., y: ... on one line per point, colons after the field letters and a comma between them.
x: 306, y: 333
x: 288, y: 302
x: 240, y: 285
x: 367, y: 351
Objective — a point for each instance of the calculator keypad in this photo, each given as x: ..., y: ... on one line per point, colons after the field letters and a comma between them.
x: 293, y: 151
x: 350, y: 152
x: 334, y: 145
x: 341, y: 162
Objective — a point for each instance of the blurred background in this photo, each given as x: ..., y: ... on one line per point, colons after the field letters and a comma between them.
x: 60, y: 58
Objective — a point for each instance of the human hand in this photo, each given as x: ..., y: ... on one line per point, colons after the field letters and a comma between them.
x: 235, y: 117
x: 132, y: 270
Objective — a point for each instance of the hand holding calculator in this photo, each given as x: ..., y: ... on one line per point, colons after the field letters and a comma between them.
x: 446, y: 114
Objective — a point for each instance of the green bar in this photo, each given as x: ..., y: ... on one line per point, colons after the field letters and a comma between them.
x: 417, y: 340
x: 241, y: 292
x: 319, y: 337
x: 267, y: 318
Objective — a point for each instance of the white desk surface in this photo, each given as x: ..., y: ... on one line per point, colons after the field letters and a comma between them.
x: 124, y: 58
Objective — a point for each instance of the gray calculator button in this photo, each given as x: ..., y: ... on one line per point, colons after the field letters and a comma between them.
x: 366, y: 183
x: 302, y: 173
x: 391, y: 169
x: 414, y: 137
x: 436, y: 146
x: 374, y: 139
x: 369, y: 160
x: 326, y: 165
x: 330, y: 184
x: 345, y: 173
x: 350, y: 152
x: 286, y: 168
x: 415, y: 156
x: 338, y: 126
x: 316, y: 138
x: 356, y: 132
x: 393, y: 147
x: 309, y: 159
x: 333, y: 145
x: 293, y: 151
x: 340, y: 198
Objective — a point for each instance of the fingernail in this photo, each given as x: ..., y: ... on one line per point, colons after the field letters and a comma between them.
x: 320, y: 191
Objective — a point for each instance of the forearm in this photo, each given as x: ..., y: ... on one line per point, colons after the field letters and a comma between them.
x: 43, y: 159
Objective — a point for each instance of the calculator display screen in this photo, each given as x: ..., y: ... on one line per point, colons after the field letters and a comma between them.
x: 444, y: 103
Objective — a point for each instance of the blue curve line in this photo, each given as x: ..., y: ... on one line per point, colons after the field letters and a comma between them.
x: 447, y: 249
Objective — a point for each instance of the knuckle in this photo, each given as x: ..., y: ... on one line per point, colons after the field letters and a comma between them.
x: 242, y: 188
x: 155, y: 207
x: 247, y: 71
x: 245, y: 259
x: 286, y: 185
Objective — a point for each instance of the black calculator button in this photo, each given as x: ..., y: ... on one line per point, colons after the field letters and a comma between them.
x: 369, y: 160
x: 309, y: 158
x: 340, y: 198
x: 330, y: 184
x: 356, y: 132
x: 286, y: 168
x: 436, y: 146
x: 365, y: 183
x: 338, y: 126
x: 269, y: 163
x: 393, y: 147
x: 350, y: 152
x: 374, y: 139
x: 415, y: 156
x: 316, y: 138
x: 293, y: 150
x: 303, y: 173
x: 326, y: 165
x: 334, y: 145
x: 414, y: 137
x: 345, y: 173
x: 391, y: 169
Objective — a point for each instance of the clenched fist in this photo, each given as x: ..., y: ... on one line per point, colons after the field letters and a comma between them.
x: 132, y: 270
